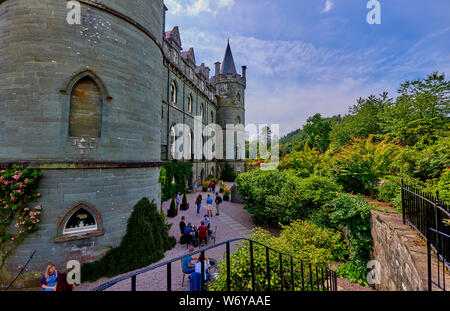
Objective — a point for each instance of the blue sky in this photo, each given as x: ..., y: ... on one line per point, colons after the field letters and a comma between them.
x: 315, y: 56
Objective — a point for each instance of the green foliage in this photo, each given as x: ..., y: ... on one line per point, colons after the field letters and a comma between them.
x: 359, y: 166
x: 301, y: 240
x: 420, y: 113
x: 18, y: 188
x: 363, y: 120
x: 281, y: 196
x: 390, y: 189
x: 318, y: 131
x: 174, y: 177
x: 145, y: 242
x: 432, y: 160
x: 228, y: 173
x: 352, y: 216
x: 303, y: 161
x: 184, y: 202
x: 444, y: 187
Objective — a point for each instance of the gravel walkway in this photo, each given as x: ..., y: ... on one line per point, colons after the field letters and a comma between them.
x: 233, y: 222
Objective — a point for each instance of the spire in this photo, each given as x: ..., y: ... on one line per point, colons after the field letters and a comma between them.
x: 228, y: 62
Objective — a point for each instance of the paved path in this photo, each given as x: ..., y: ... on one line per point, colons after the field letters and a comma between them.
x: 233, y: 222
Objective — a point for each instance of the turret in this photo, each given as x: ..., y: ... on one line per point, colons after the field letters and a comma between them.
x: 230, y: 87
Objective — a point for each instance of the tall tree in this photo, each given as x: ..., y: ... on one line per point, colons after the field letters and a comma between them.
x: 318, y: 131
x: 421, y: 112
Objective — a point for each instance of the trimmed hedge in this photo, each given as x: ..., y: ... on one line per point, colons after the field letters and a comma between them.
x: 145, y: 242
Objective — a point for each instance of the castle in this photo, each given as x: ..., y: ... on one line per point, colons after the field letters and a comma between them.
x: 93, y: 106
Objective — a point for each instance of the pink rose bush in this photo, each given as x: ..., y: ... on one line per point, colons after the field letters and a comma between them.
x: 18, y: 188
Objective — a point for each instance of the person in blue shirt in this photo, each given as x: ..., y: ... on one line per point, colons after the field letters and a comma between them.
x: 49, y: 279
x: 209, y: 202
x: 190, y: 230
x: 188, y: 266
x: 207, y: 222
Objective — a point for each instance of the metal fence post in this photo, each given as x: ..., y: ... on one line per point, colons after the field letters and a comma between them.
x: 429, y: 259
x: 228, y: 268
x: 268, y: 268
x: 252, y: 266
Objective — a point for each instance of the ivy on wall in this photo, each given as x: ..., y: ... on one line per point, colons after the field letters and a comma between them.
x: 18, y: 188
x: 174, y: 178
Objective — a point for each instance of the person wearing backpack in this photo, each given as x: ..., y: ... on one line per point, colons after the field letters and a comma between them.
x: 218, y: 202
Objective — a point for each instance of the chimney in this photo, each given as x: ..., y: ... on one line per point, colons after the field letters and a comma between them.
x: 244, y: 72
x: 217, y: 68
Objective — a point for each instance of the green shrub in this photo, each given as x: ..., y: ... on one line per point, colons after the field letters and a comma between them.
x: 281, y: 196
x: 444, y: 187
x: 228, y: 173
x: 301, y: 239
x: 145, y: 242
x: 390, y: 189
x: 174, y: 178
x: 352, y: 215
x: 360, y: 165
x: 303, y: 161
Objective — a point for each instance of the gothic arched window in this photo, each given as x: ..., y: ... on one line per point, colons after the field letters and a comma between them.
x: 173, y: 93
x: 190, y: 104
x: 81, y: 221
x: 86, y: 103
x: 173, y: 138
x: 190, y: 145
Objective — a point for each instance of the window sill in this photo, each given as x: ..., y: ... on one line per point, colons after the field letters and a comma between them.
x: 68, y: 238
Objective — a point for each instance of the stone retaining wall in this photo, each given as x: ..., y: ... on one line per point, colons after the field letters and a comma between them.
x: 401, y: 253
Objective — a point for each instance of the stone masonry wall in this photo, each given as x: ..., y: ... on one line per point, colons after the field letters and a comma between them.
x: 400, y: 252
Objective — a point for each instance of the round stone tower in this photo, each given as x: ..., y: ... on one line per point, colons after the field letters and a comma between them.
x: 81, y: 102
x: 230, y: 87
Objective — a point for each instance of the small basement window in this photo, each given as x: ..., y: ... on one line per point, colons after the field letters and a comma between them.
x: 81, y: 221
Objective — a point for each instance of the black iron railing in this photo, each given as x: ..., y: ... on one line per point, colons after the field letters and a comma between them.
x: 325, y: 278
x: 422, y: 211
x: 440, y: 255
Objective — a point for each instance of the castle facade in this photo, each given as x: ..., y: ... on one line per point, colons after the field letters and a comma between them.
x: 94, y: 106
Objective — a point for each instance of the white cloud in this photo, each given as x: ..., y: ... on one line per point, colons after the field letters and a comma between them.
x: 196, y: 7
x: 328, y: 6
x: 289, y: 81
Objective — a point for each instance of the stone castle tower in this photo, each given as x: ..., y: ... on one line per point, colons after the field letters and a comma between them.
x: 93, y: 105
x: 82, y: 103
x: 230, y: 87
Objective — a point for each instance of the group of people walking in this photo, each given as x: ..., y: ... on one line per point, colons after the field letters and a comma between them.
x: 209, y: 204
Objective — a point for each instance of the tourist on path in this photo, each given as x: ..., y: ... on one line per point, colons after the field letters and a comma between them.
x: 218, y: 202
x: 208, y: 224
x: 198, y: 202
x: 49, y: 279
x: 202, y: 233
x: 195, y: 186
x: 209, y: 202
x: 178, y: 199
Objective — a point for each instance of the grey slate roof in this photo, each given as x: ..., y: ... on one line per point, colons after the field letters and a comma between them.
x: 228, y: 66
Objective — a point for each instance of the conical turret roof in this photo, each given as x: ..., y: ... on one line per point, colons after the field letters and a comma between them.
x: 228, y: 66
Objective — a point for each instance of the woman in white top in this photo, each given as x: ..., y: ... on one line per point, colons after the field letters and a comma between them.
x: 198, y: 267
